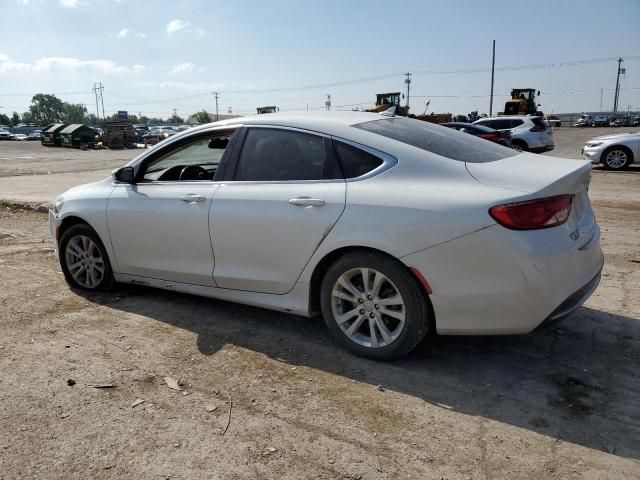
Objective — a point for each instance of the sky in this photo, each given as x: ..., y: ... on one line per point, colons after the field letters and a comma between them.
x: 154, y: 56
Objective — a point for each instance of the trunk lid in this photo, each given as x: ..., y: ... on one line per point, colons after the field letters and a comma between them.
x: 530, y: 176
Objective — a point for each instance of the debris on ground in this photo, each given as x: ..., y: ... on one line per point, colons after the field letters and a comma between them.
x: 71, y: 382
x: 380, y: 388
x: 101, y: 385
x: 211, y: 408
x: 376, y: 463
x: 172, y: 383
x: 137, y: 402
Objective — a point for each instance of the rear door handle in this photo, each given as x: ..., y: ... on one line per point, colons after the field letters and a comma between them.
x: 307, y: 202
x: 192, y: 198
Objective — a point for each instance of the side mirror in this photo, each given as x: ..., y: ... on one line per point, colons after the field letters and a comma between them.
x: 123, y: 175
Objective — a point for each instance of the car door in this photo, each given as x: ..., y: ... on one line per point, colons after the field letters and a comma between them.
x: 284, y: 197
x: 159, y: 226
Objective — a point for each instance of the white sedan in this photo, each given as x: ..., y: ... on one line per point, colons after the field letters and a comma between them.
x: 615, y: 152
x: 388, y: 226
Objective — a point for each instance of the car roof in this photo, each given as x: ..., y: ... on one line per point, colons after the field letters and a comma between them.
x: 317, y: 121
x: 510, y: 117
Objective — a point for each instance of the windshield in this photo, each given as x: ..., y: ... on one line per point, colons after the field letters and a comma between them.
x: 437, y: 139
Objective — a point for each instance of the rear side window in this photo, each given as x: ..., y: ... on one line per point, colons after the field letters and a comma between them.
x: 440, y: 140
x: 272, y: 155
x: 515, y: 122
x: 355, y: 162
x: 539, y: 122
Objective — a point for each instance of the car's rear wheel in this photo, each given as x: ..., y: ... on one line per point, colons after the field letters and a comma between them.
x: 616, y: 158
x: 373, y: 306
x: 519, y: 145
x: 84, y: 260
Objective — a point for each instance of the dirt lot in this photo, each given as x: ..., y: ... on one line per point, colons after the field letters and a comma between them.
x: 562, y: 402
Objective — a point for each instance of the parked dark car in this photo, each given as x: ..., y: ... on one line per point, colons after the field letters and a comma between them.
x: 157, y: 134
x: 636, y: 121
x: 501, y: 137
x: 601, y: 121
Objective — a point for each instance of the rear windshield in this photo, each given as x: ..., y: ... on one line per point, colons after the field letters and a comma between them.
x: 440, y: 140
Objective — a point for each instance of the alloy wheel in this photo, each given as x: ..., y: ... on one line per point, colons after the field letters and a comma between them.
x: 616, y: 159
x: 368, y: 307
x: 84, y: 261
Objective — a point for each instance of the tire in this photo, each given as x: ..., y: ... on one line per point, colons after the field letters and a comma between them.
x: 81, y: 240
x: 519, y: 145
x: 616, y: 158
x: 357, y: 330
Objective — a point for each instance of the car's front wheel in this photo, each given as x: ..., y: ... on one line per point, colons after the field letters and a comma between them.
x: 84, y: 260
x: 374, y: 306
x: 616, y: 158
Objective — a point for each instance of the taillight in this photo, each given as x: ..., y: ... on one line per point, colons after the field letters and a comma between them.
x: 494, y: 137
x: 533, y: 214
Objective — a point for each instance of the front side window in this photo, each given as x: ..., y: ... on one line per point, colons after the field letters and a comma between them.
x: 270, y: 154
x: 436, y: 139
x: 196, y: 160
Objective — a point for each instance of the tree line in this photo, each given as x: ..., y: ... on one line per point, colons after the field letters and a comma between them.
x: 46, y: 109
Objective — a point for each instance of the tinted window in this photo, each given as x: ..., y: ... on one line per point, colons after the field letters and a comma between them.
x: 354, y: 161
x: 515, y: 123
x: 272, y: 154
x: 437, y: 139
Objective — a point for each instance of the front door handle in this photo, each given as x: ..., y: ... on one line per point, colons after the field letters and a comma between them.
x: 192, y: 198
x: 307, y: 202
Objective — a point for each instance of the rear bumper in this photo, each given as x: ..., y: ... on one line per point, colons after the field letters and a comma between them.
x: 574, y: 301
x: 545, y: 148
x: 500, y: 282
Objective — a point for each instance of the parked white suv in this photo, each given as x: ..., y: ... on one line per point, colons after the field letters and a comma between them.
x: 531, y: 134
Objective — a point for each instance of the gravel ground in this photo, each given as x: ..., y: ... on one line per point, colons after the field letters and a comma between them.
x: 561, y: 402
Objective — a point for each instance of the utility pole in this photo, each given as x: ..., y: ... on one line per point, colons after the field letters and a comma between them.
x: 617, y: 94
x: 101, y: 88
x: 215, y: 94
x: 328, y: 102
x: 175, y: 115
x: 493, y: 68
x: 95, y: 92
x: 408, y: 82
x: 600, y: 100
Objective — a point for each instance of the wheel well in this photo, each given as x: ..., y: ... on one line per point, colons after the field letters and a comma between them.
x: 619, y: 147
x: 67, y: 223
x: 519, y: 141
x: 324, y: 264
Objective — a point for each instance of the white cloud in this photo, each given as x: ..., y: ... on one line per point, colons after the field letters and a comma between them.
x: 183, y: 67
x: 176, y: 25
x: 197, y: 87
x: 141, y: 35
x: 123, y: 33
x: 70, y: 3
x: 47, y: 64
